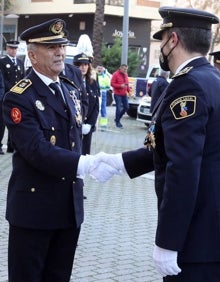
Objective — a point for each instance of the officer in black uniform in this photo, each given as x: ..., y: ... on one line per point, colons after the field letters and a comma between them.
x: 183, y: 146
x: 93, y: 94
x: 45, y: 191
x: 2, y: 124
x: 216, y: 59
x: 12, y: 69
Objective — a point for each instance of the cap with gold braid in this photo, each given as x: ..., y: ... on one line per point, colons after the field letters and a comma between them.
x: 184, y: 17
x: 216, y: 56
x: 52, y: 31
x: 81, y: 58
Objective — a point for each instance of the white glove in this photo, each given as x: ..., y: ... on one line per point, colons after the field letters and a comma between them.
x: 165, y: 261
x: 86, y: 128
x: 113, y: 160
x: 103, y: 172
x: 85, y: 164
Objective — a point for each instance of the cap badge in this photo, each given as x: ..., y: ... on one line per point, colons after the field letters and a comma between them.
x: 57, y: 27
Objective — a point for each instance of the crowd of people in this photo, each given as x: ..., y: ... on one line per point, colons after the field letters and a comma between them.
x: 51, y: 113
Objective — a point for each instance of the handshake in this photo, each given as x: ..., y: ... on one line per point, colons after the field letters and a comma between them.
x: 101, y: 166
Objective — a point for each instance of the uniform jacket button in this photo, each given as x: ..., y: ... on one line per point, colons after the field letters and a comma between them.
x: 32, y: 189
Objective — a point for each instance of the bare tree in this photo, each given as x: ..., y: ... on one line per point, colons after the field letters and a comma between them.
x: 98, y: 31
x: 206, y: 5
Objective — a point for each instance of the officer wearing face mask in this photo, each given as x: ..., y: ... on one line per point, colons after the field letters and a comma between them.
x: 183, y: 147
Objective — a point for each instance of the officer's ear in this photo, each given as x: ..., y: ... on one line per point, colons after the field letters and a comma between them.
x: 32, y: 56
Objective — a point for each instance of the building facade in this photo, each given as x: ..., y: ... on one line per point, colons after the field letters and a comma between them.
x: 79, y: 16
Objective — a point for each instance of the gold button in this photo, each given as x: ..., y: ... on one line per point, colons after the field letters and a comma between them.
x: 32, y: 189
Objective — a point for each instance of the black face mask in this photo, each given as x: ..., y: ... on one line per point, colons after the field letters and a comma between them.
x: 163, y: 59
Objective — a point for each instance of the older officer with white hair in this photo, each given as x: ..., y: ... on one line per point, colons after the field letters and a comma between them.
x: 45, y: 191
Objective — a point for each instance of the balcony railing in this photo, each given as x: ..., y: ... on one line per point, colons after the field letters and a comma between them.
x: 107, y: 2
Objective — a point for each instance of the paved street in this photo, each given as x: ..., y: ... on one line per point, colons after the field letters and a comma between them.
x: 117, y: 236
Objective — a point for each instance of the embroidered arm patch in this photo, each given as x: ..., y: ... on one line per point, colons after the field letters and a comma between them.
x: 183, y: 107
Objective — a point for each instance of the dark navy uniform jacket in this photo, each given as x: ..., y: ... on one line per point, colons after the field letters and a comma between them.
x: 187, y: 164
x: 156, y: 89
x: 11, y: 73
x: 93, y: 94
x: 43, y: 191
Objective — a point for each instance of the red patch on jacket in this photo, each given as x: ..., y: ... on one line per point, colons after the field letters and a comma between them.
x: 16, y: 115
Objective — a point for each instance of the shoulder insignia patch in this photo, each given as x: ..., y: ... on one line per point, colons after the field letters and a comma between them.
x: 21, y: 86
x: 182, y: 72
x: 183, y: 107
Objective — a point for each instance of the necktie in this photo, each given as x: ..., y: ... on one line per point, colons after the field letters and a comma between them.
x: 58, y: 94
x: 13, y: 60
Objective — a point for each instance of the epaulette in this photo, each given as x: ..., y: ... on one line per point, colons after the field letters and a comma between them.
x: 21, y: 86
x: 182, y: 72
x: 66, y: 79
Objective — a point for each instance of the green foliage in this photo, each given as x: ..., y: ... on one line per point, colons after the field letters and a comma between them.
x: 7, y: 4
x: 111, y: 58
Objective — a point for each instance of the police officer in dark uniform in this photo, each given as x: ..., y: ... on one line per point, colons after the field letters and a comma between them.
x: 216, y: 59
x: 93, y: 94
x: 12, y: 70
x: 157, y: 87
x: 45, y: 191
x: 183, y: 146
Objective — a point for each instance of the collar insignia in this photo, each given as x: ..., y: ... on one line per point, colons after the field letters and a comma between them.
x: 182, y: 72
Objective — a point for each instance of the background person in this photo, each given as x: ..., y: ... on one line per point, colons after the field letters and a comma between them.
x: 12, y: 70
x: 216, y: 59
x: 183, y: 148
x: 93, y: 92
x: 45, y: 191
x: 119, y: 82
x: 103, y: 80
x: 157, y: 87
x: 2, y: 123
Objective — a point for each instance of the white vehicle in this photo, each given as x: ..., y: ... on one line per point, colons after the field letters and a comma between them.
x: 143, y: 110
x: 152, y: 73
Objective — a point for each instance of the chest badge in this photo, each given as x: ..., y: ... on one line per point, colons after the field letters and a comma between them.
x: 39, y: 105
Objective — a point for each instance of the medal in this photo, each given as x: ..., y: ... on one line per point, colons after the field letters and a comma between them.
x: 77, y: 104
x: 149, y: 141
